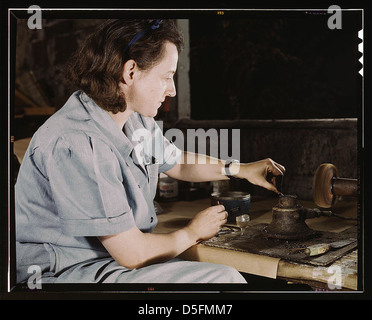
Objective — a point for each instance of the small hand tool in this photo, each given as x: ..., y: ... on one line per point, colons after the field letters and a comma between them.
x: 321, y: 248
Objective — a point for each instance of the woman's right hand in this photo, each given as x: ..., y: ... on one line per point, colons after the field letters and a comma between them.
x: 207, y: 223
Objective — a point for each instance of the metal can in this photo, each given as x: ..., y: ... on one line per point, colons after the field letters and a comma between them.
x: 168, y: 189
x: 236, y: 203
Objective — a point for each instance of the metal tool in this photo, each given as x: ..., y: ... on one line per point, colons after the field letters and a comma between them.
x: 321, y: 248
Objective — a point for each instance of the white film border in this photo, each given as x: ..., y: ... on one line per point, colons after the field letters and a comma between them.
x: 360, y: 49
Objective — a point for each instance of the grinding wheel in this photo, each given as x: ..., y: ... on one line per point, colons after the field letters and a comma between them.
x: 322, y: 186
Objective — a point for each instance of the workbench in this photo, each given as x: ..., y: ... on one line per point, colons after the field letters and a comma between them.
x: 177, y: 214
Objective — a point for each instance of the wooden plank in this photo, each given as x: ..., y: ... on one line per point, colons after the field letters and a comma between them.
x: 341, y: 275
x: 243, y: 261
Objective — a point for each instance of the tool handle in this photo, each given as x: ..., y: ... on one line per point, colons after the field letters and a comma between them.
x: 314, y: 213
x: 317, y: 249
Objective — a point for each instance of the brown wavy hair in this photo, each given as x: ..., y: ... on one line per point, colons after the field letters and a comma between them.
x: 96, y: 68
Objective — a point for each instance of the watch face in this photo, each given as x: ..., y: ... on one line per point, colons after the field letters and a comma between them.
x: 227, y: 167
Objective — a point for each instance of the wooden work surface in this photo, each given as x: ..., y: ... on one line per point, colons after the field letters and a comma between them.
x: 340, y: 275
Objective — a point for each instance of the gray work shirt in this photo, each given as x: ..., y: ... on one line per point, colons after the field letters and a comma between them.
x: 83, y: 177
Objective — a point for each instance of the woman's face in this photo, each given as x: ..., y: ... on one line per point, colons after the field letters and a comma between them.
x: 149, y: 88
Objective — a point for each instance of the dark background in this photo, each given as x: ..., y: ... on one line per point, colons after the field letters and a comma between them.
x: 282, y: 65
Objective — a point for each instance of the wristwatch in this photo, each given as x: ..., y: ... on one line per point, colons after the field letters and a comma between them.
x: 227, y: 168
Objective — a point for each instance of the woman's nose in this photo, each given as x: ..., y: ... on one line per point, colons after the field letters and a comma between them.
x: 171, y: 90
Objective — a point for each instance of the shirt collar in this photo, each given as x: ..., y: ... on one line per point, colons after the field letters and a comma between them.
x: 103, y: 122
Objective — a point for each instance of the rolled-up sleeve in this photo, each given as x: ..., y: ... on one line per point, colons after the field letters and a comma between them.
x: 87, y: 186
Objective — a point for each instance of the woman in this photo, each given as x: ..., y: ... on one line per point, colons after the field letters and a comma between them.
x: 85, y: 190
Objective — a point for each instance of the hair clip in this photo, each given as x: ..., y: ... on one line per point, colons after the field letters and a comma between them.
x: 139, y: 35
x: 156, y: 24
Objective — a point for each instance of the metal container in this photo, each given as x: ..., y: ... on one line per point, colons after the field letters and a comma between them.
x: 168, y: 189
x: 236, y: 203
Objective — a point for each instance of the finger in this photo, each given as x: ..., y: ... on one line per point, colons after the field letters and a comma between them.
x: 223, y: 215
x: 270, y: 177
x: 222, y: 222
x: 278, y: 169
x: 269, y: 186
x: 273, y: 181
x: 220, y: 208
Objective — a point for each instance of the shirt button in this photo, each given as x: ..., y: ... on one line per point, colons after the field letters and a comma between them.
x: 151, y: 219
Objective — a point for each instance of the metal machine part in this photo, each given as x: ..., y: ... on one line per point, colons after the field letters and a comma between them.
x: 288, y: 220
x: 327, y: 186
